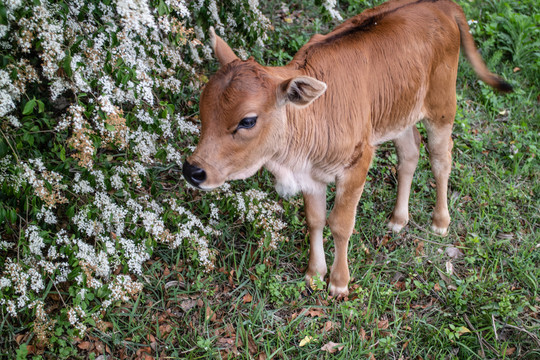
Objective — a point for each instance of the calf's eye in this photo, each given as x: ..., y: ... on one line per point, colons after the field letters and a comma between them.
x: 247, y: 122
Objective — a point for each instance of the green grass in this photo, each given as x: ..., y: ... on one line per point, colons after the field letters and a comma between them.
x: 403, y: 303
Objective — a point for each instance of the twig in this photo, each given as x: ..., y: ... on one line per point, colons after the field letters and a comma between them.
x: 494, y: 328
x: 480, y: 338
x: 12, y: 149
x: 533, y: 336
x: 430, y: 241
x: 58, y: 291
x: 427, y: 231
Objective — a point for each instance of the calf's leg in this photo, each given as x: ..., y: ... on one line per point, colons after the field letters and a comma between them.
x: 349, y: 187
x: 408, y: 150
x: 315, y: 207
x: 440, y: 155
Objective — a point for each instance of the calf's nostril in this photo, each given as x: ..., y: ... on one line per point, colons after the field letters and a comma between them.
x: 193, y: 174
x: 199, y: 175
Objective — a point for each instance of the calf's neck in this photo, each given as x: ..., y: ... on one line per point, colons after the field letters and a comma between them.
x: 319, y: 119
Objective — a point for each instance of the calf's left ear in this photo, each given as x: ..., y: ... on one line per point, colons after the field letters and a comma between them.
x: 222, y: 50
x: 300, y: 91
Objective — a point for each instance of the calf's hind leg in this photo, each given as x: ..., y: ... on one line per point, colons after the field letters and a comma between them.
x: 407, y: 146
x: 440, y: 155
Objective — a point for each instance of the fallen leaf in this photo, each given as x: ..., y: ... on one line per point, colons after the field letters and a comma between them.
x: 453, y: 252
x: 463, y: 330
x: 445, y: 278
x: 247, y: 298
x: 153, y: 342
x: 143, y: 352
x: 252, y: 346
x: 99, y: 347
x: 362, y: 334
x: 419, y: 248
x: 406, y: 344
x: 437, y: 287
x: 85, y: 345
x: 165, y: 330
x: 332, y: 347
x: 516, y: 69
x: 19, y: 338
x: 383, y: 324
x: 328, y: 326
x: 306, y: 340
x: 262, y: 356
x: 510, y: 351
x: 314, y: 312
x: 225, y: 342
x: 449, y: 268
x: 210, y: 314
x: 188, y: 304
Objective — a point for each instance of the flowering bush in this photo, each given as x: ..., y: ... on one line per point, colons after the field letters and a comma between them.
x: 95, y: 104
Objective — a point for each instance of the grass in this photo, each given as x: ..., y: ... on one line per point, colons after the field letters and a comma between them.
x: 472, y: 294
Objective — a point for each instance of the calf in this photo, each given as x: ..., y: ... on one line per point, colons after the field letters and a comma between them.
x: 319, y: 119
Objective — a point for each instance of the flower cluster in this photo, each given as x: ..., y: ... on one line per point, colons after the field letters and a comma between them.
x: 93, y: 111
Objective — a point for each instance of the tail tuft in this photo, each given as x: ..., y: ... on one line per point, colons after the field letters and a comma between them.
x: 502, y: 85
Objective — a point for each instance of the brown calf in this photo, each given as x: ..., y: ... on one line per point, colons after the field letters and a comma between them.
x: 319, y: 119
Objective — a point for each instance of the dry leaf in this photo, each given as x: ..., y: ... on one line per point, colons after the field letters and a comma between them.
x: 328, y: 326
x: 313, y: 312
x: 445, y: 278
x: 252, y: 346
x: 210, y: 314
x: 165, y: 330
x: 419, y: 248
x: 85, y: 345
x: 306, y: 340
x: 332, y: 347
x: 188, y: 304
x: 449, y: 268
x: 383, y: 324
x: 463, y: 330
x: 247, y: 298
x: 19, y: 338
x: 437, y: 287
x: 362, y: 334
x: 510, y: 351
x: 453, y: 252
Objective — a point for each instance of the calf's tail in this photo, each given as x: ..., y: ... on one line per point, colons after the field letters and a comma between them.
x: 472, y: 54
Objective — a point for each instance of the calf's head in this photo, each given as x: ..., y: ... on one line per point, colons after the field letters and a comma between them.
x: 243, y: 116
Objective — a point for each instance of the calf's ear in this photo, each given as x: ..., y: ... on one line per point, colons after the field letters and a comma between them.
x: 300, y: 91
x: 222, y: 50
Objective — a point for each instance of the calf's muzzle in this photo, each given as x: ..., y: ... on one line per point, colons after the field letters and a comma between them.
x: 193, y: 174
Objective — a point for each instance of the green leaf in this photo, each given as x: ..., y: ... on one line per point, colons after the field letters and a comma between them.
x: 110, y: 127
x: 29, y: 107
x: 41, y: 106
x: 162, y: 8
x: 67, y: 64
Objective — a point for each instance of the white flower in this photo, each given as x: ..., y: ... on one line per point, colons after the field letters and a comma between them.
x: 35, y: 241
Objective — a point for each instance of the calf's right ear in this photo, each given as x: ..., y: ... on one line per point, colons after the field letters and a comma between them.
x: 222, y: 50
x: 300, y: 91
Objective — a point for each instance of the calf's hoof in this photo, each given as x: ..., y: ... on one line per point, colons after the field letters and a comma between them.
x: 440, y: 224
x: 338, y: 291
x: 397, y: 223
x: 312, y: 279
x: 441, y: 231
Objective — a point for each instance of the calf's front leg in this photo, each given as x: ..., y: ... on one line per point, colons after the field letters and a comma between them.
x: 315, y: 208
x: 349, y: 187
